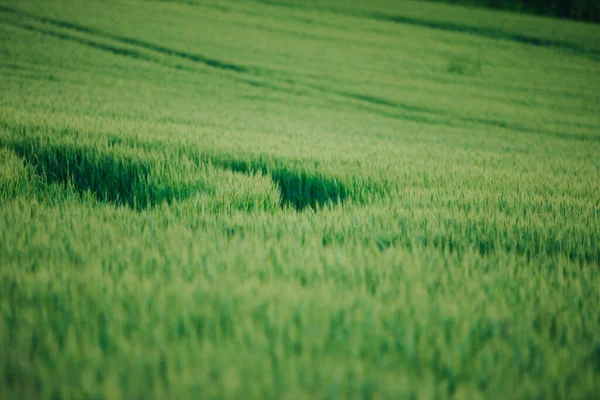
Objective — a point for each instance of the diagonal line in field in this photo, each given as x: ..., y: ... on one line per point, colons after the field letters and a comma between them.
x: 491, y: 33
x: 185, y: 55
x: 94, y: 44
x: 304, y: 89
x: 210, y: 62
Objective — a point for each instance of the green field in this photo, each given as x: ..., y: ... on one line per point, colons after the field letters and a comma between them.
x: 297, y: 199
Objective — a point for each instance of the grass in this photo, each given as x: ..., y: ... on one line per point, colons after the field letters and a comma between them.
x: 249, y: 199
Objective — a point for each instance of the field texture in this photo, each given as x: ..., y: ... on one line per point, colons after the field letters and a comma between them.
x: 582, y: 10
x: 284, y: 199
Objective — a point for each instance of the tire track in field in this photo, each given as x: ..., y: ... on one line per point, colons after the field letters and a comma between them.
x: 360, y: 101
x: 210, y: 62
x: 10, y: 70
x: 491, y: 33
x: 97, y: 45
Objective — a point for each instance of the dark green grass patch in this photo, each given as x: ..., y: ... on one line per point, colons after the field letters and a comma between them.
x: 121, y: 179
x: 299, y: 188
x: 583, y: 10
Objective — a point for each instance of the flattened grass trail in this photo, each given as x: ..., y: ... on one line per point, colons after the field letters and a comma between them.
x: 297, y: 199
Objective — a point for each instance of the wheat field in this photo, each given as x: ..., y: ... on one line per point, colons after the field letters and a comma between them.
x: 297, y: 199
